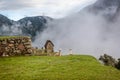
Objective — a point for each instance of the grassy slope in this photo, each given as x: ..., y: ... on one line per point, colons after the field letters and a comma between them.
x: 11, y: 37
x: 77, y: 67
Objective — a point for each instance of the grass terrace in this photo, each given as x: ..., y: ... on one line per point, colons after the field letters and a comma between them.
x: 10, y: 37
x: 74, y: 67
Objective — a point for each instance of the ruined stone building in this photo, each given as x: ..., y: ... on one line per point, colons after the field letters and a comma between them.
x: 49, y: 46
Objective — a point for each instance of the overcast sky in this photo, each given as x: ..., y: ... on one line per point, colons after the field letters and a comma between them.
x: 16, y: 9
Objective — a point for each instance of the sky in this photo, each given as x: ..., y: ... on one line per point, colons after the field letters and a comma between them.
x: 17, y: 9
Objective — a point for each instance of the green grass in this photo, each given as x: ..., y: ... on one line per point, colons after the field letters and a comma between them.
x: 77, y: 67
x: 10, y: 37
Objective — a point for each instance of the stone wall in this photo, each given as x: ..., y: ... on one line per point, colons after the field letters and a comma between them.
x: 15, y: 46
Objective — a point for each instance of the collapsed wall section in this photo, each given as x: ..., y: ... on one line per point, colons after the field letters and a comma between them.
x: 15, y: 46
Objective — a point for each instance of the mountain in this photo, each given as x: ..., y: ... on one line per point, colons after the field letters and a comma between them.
x: 28, y: 26
x: 110, y: 9
x: 5, y: 21
x: 33, y: 25
x: 5, y: 25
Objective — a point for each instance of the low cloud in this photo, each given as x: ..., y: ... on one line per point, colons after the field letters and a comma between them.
x: 55, y: 8
x: 13, y: 4
x: 84, y: 33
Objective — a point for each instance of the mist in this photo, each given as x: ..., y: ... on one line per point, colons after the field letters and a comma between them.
x: 84, y: 33
x: 15, y: 29
x: 94, y: 30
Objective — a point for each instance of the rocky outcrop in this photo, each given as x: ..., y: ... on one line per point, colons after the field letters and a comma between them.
x: 108, y: 60
x: 15, y: 46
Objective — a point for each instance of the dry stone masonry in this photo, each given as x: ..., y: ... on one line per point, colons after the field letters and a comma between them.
x: 15, y: 46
